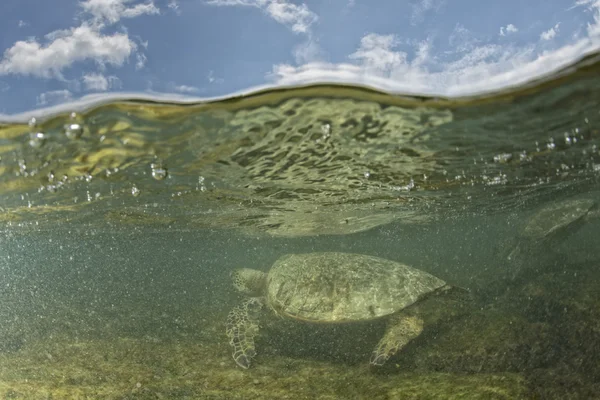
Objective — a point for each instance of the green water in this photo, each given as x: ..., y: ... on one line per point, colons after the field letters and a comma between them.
x: 121, y: 223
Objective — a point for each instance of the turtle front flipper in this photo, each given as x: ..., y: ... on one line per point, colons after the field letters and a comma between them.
x: 241, y: 328
x: 401, y: 329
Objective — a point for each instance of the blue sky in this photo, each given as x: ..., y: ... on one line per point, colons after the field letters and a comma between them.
x: 61, y: 50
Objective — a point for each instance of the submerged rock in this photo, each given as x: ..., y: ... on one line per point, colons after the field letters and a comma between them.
x: 139, y: 369
x: 454, y: 386
x: 568, y: 300
x: 565, y: 301
x: 484, y: 341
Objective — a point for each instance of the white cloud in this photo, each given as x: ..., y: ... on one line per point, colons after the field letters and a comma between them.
x: 423, y: 6
x: 484, y: 67
x: 140, y: 60
x: 53, y: 97
x: 472, y: 65
x: 212, y: 79
x: 66, y: 47
x: 95, y: 82
x: 140, y: 9
x: 308, y: 51
x: 593, y: 6
x: 186, y: 89
x: 58, y: 34
x: 376, y: 53
x: 589, y: 3
x: 112, y: 11
x: 62, y: 48
x: 508, y: 29
x: 550, y: 33
x: 298, y: 17
x: 461, y: 39
x: 99, y: 82
x: 22, y: 23
x: 114, y: 82
x: 173, y: 5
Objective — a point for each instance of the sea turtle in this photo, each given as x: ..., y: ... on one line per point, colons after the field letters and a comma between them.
x: 330, y: 287
x: 549, y: 227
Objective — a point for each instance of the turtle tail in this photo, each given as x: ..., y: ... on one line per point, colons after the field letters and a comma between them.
x: 241, y: 328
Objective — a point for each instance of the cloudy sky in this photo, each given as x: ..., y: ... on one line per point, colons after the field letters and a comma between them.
x: 61, y: 50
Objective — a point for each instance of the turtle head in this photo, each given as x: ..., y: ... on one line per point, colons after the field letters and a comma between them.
x: 249, y: 281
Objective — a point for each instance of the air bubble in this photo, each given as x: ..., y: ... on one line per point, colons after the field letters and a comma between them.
x: 406, y: 188
x: 37, y: 139
x: 325, y: 133
x: 367, y: 175
x: 201, y: 187
x: 22, y: 166
x: 502, y: 158
x: 73, y: 131
x: 501, y: 179
x: 135, y: 191
x: 158, y: 171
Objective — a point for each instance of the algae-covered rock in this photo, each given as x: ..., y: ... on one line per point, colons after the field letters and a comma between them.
x: 122, y: 368
x: 452, y: 386
x: 561, y: 382
x: 484, y: 341
x: 539, y: 323
x: 568, y: 300
x: 565, y: 300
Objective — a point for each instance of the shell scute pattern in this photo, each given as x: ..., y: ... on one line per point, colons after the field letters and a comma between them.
x: 344, y: 287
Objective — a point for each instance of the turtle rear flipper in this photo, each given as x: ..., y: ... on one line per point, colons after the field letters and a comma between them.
x: 241, y: 328
x: 401, y: 330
